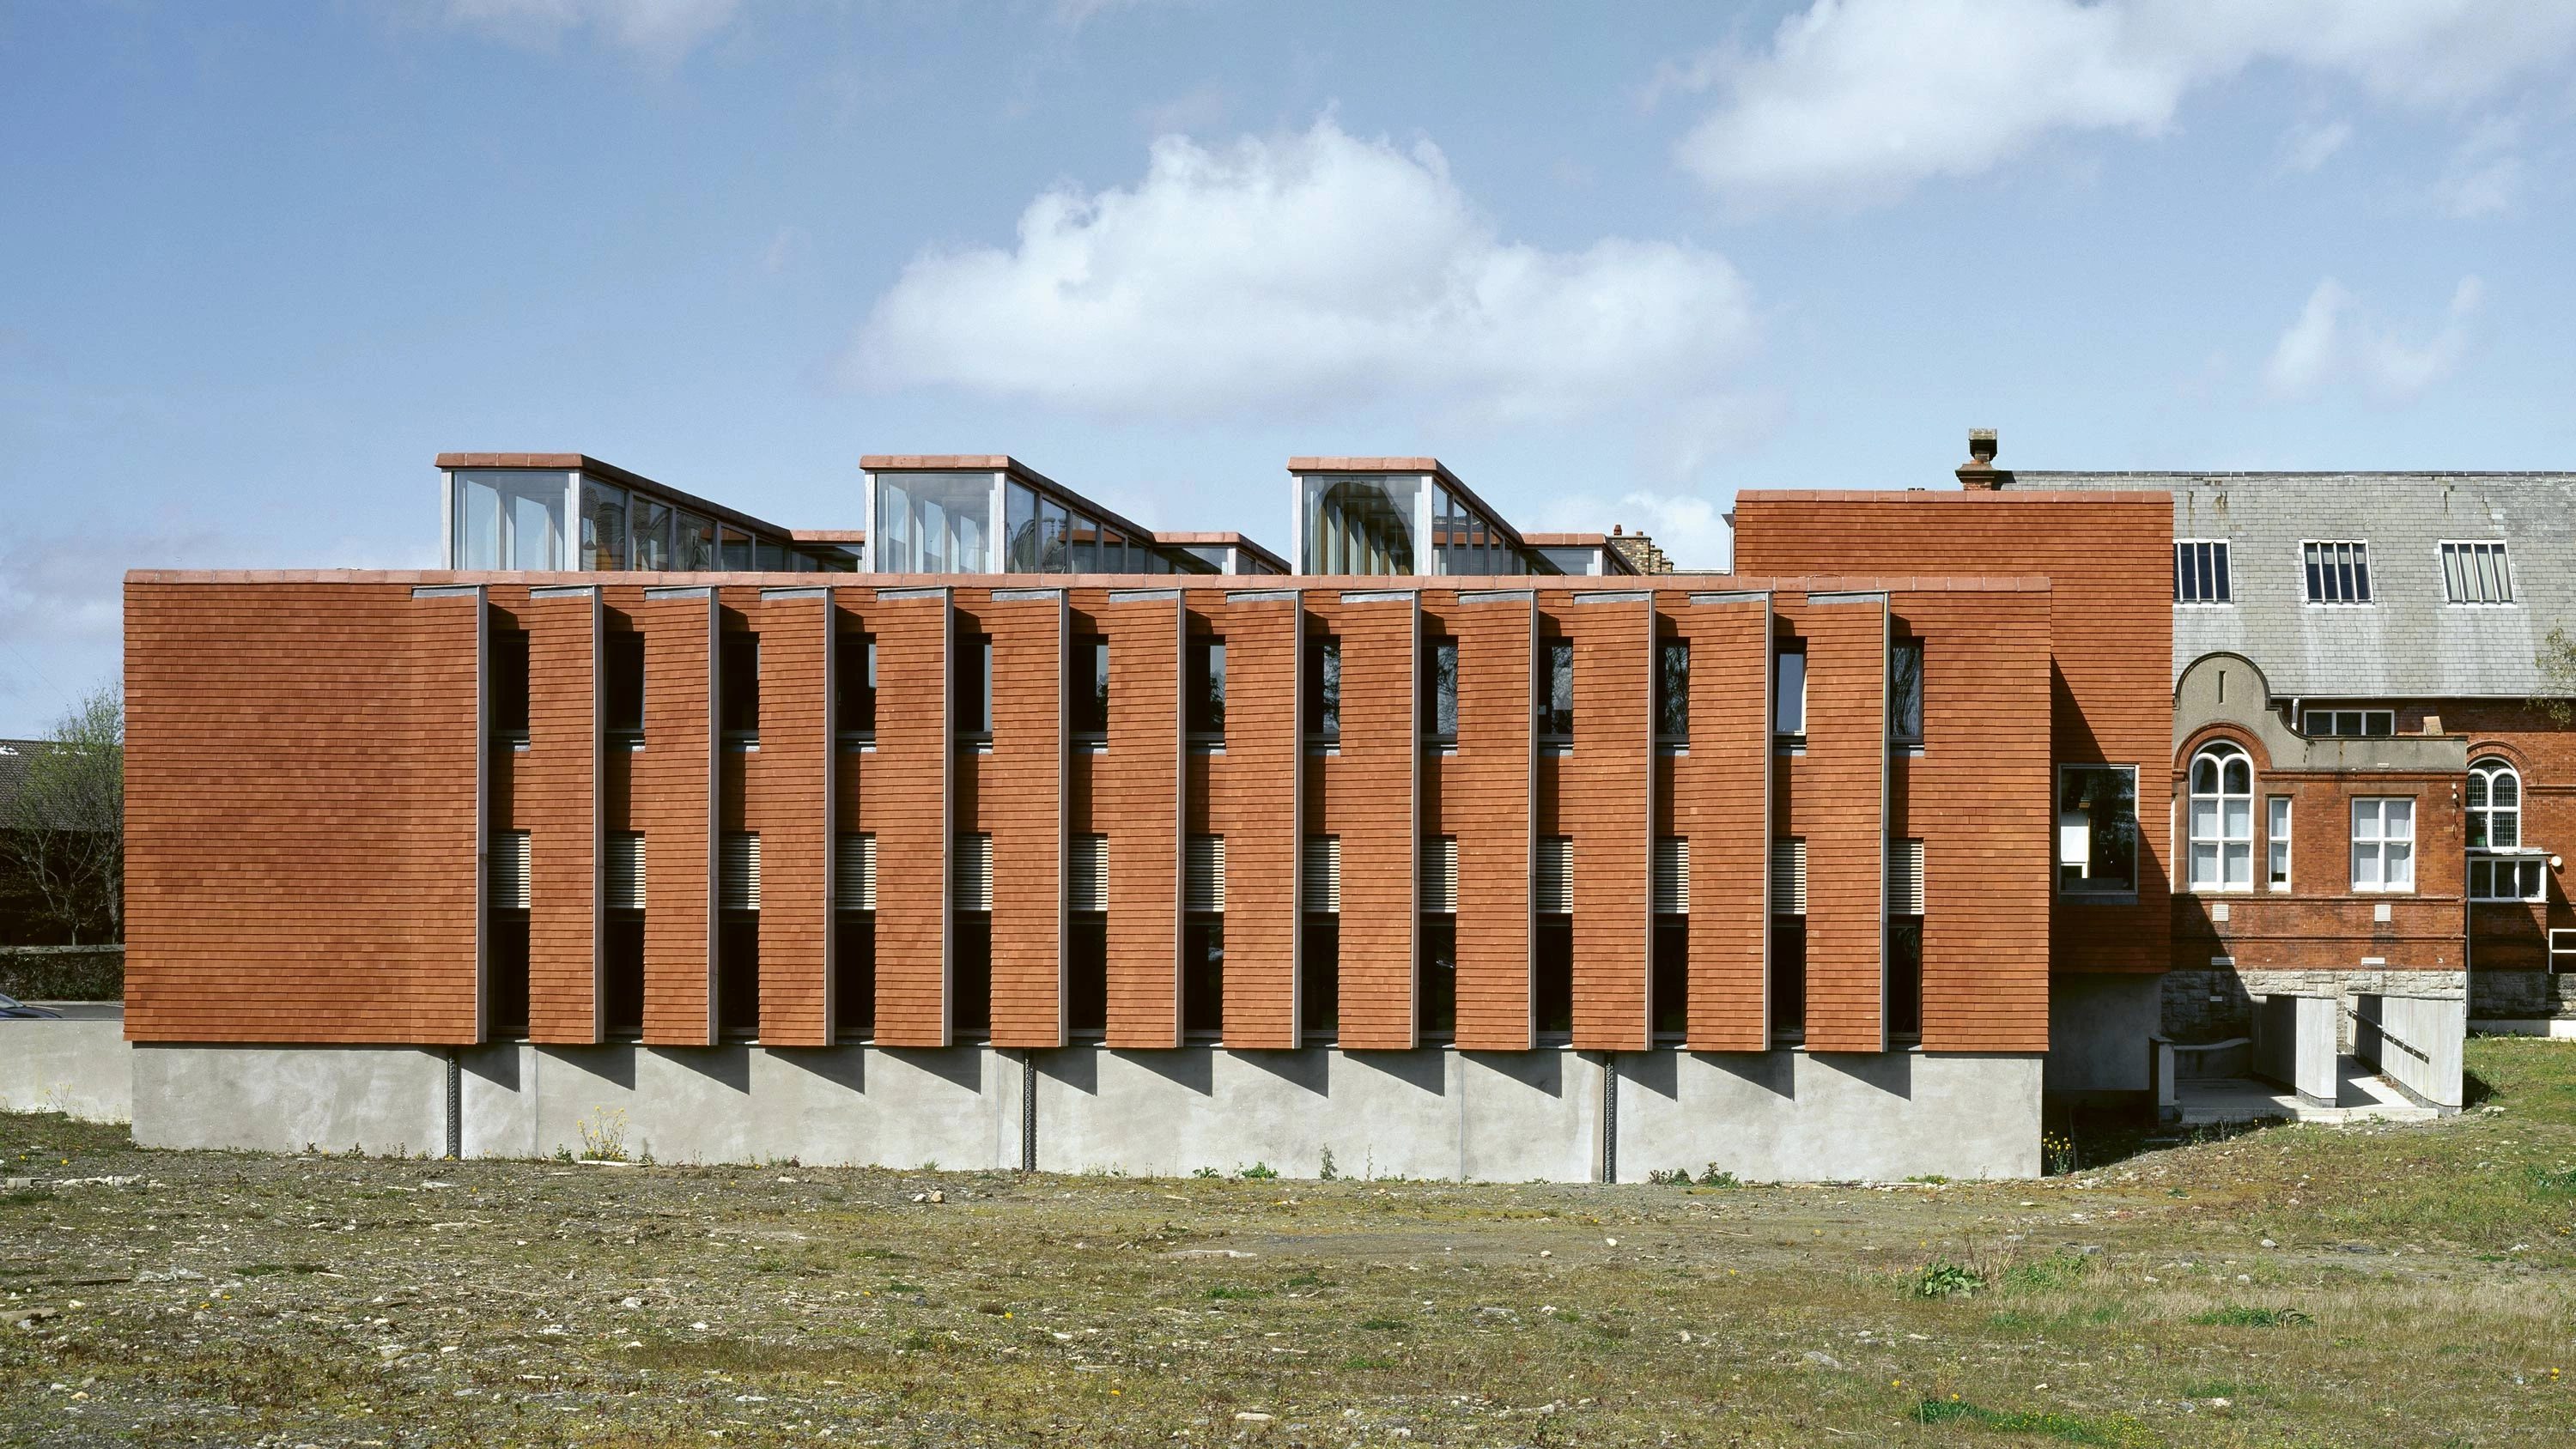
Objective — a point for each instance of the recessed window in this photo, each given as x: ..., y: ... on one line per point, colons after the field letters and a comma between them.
x: 1789, y: 691
x: 2200, y: 571
x: 2495, y: 806
x: 622, y: 689
x: 1323, y: 689
x: 738, y: 687
x: 2097, y: 831
x: 2475, y: 573
x: 2222, y: 820
x: 1905, y: 692
x: 2277, y: 843
x: 1440, y: 690
x: 1089, y: 687
x: 2338, y: 573
x: 854, y: 681
x: 1556, y: 690
x: 2383, y: 844
x: 972, y: 683
x: 506, y: 691
x: 2348, y: 723
x: 1672, y: 692
x: 2508, y: 878
x: 1206, y: 689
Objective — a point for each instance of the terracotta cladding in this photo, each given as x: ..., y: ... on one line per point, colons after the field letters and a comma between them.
x: 302, y: 770
x: 1720, y: 801
x: 674, y: 808
x: 904, y: 800
x: 1978, y: 797
x: 1135, y: 802
x: 1246, y: 791
x: 1368, y: 791
x: 787, y: 792
x: 2109, y: 561
x: 1838, y: 805
x: 1484, y: 800
x: 1020, y: 803
x: 555, y: 798
x: 1605, y: 807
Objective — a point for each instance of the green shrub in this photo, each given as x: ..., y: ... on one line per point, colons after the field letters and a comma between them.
x: 2237, y: 1315
x: 1715, y: 1178
x: 1258, y: 1171
x: 1942, y: 1278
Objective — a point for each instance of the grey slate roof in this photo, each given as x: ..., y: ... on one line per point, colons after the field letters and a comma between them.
x: 14, y: 755
x: 2409, y: 641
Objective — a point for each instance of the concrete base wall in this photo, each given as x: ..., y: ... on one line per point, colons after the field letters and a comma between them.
x: 78, y: 1067
x: 2098, y: 1025
x: 2418, y: 1042
x: 2522, y: 996
x: 1546, y: 1115
x: 2216, y: 1004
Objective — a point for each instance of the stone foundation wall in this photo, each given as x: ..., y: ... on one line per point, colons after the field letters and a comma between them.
x: 2214, y: 1005
x: 2512, y: 995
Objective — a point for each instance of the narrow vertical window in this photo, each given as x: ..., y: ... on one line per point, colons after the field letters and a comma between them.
x: 1788, y: 964
x: 738, y: 687
x: 505, y: 937
x: 1905, y: 692
x: 1086, y: 993
x: 1436, y: 1000
x: 854, y: 937
x: 1323, y: 666
x: 2383, y: 844
x: 506, y: 692
x: 1319, y: 964
x: 1203, y: 936
x: 1672, y: 692
x: 1905, y: 939
x: 1789, y: 691
x: 1206, y: 689
x: 622, y: 704
x: 738, y: 936
x: 622, y: 939
x: 1669, y: 987
x: 2276, y: 842
x: 1440, y: 690
x: 972, y: 687
x: 854, y: 687
x: 1556, y: 690
x: 970, y: 937
x: 1089, y: 687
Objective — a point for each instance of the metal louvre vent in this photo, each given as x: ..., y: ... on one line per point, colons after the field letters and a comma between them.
x: 854, y: 872
x: 971, y: 874
x: 738, y: 872
x: 1905, y: 877
x: 509, y: 869
x: 1672, y: 876
x: 1322, y: 887
x: 1203, y: 875
x: 1090, y: 872
x: 1440, y: 873
x: 1788, y: 877
x: 1555, y: 896
x: 626, y: 871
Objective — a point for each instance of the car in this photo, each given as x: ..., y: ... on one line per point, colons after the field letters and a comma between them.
x: 11, y: 1008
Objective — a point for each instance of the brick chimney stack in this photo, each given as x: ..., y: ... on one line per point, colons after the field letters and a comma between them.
x: 1979, y: 472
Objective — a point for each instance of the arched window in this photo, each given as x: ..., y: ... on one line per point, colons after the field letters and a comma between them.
x: 2495, y: 806
x: 2222, y: 820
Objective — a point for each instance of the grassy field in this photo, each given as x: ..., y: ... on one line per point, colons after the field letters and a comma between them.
x: 2289, y: 1286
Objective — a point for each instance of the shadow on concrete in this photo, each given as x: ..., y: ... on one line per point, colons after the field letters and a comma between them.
x: 961, y: 1068
x: 1077, y: 1067
x: 1890, y: 1072
x: 1657, y: 1072
x: 1540, y: 1070
x: 1304, y: 1068
x: 1193, y: 1068
x: 612, y: 1064
x: 841, y: 1066
x: 1773, y: 1072
x: 726, y: 1066
x: 1427, y: 1071
x: 498, y: 1065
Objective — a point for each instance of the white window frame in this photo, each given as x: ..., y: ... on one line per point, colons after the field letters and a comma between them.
x: 2222, y: 834
x: 2307, y: 718
x: 2219, y: 573
x: 2530, y: 866
x: 2276, y: 841
x: 2369, y: 592
x: 2381, y: 812
x: 2466, y: 552
x: 2483, y: 775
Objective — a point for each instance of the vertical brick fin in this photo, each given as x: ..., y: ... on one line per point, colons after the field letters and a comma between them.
x: 787, y: 792
x: 1605, y: 804
x: 674, y: 806
x: 1722, y: 803
x: 557, y: 802
x: 1370, y: 794
x: 1020, y: 794
x: 1978, y: 797
x: 1488, y: 802
x: 1136, y: 802
x: 906, y: 799
x: 1843, y: 787
x: 1252, y: 788
x: 303, y: 832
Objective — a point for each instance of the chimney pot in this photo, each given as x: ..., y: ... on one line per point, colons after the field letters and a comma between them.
x: 1981, y: 444
x: 1617, y: 529
x: 1979, y: 472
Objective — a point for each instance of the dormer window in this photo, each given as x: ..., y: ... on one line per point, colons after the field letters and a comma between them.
x: 2475, y: 573
x: 2200, y: 571
x: 2338, y: 573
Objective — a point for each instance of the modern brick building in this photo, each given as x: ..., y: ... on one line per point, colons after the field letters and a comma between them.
x: 1456, y: 862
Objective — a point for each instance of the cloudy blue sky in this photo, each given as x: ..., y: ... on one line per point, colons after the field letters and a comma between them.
x: 262, y: 261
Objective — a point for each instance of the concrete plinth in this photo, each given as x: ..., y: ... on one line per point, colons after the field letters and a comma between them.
x: 74, y: 1067
x: 379, y: 1100
x: 1792, y: 1116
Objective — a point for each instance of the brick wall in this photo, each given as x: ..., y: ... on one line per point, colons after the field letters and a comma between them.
x: 1020, y: 803
x: 1718, y: 797
x: 1244, y: 798
x: 1604, y: 805
x: 555, y: 797
x: 787, y: 798
x: 674, y: 806
x: 1483, y: 796
x: 903, y: 799
x: 1367, y: 792
x: 1837, y: 799
x: 1135, y: 801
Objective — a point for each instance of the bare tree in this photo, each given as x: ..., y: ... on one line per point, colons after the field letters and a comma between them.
x: 2557, y: 661
x: 64, y: 831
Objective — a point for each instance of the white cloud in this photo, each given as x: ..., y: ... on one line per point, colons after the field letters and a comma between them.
x: 2335, y: 341
x: 2483, y: 177
x: 1856, y: 101
x: 2307, y: 145
x: 1690, y: 529
x: 1277, y: 276
x: 660, y: 30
